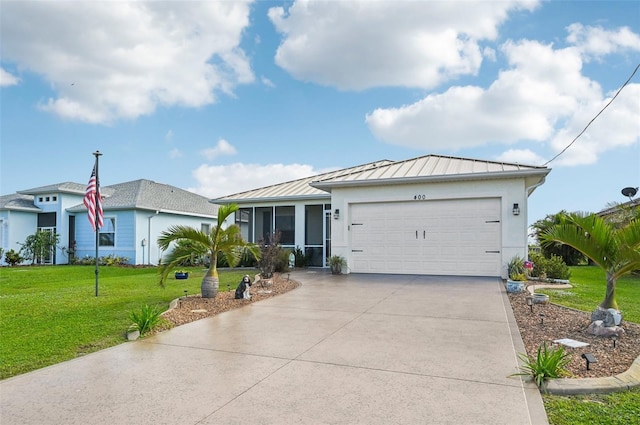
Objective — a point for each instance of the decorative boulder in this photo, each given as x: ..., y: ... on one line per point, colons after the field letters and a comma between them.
x: 617, y: 317
x: 610, y: 317
x: 598, y: 328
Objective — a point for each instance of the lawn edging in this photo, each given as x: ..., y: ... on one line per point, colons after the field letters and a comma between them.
x: 621, y: 382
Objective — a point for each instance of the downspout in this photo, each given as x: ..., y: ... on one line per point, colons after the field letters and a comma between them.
x: 149, y: 237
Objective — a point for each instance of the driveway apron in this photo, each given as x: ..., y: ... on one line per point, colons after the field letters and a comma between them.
x: 350, y: 349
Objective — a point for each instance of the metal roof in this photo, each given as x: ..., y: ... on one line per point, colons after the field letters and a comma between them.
x: 297, y: 188
x: 430, y: 167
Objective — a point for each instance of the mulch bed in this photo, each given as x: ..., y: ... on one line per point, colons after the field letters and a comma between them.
x: 559, y: 322
x: 194, y: 307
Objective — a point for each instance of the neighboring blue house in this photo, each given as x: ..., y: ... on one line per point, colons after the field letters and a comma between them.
x: 135, y: 213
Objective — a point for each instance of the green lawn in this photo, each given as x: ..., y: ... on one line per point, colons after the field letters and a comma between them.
x: 613, y: 409
x: 609, y: 409
x: 589, y: 283
x: 50, y: 314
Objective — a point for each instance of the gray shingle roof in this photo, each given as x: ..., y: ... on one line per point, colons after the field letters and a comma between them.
x: 66, y: 187
x: 149, y: 195
x: 18, y: 201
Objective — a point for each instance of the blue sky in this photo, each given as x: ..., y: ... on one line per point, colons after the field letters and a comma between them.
x: 221, y: 97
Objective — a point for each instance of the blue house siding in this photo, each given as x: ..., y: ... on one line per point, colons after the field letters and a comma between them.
x: 123, y: 243
x: 136, y: 211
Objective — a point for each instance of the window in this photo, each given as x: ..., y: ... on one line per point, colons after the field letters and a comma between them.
x: 244, y: 220
x: 108, y: 232
x: 264, y: 223
x: 205, y: 228
x: 286, y: 224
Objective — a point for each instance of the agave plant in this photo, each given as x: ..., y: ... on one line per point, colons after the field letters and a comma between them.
x: 225, y: 241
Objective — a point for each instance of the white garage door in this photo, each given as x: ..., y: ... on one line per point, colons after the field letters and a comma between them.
x: 446, y: 237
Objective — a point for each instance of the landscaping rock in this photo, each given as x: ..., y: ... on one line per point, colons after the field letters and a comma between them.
x: 599, y: 328
x: 606, y: 316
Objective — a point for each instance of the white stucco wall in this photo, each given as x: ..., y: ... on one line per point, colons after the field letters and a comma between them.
x: 510, y: 191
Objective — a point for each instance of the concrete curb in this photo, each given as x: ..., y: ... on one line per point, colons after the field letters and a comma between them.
x: 533, y: 288
x: 621, y: 382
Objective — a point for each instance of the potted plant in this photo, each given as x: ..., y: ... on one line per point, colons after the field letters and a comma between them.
x: 181, y: 274
x: 516, y: 274
x: 336, y: 263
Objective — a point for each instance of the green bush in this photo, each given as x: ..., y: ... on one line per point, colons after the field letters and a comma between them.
x: 145, y: 320
x: 12, y: 257
x: 549, y: 363
x: 552, y: 268
x: 538, y: 261
x: 301, y: 258
x: 108, y: 260
x: 515, y: 268
x: 556, y: 268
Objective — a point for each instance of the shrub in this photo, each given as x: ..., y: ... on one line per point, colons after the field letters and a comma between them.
x: 282, y: 262
x: 271, y: 255
x: 556, y: 268
x: 12, y: 257
x: 549, y: 363
x: 515, y: 268
x: 301, y: 259
x: 538, y: 261
x: 145, y: 320
x: 552, y: 268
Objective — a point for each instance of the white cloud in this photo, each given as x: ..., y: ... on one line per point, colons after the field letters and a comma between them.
x: 175, y: 153
x: 221, y: 180
x: 543, y: 97
x: 115, y: 60
x: 521, y: 156
x: 169, y: 135
x: 617, y: 126
x: 222, y: 148
x: 354, y: 45
x: 7, y: 79
x: 267, y: 82
x: 598, y: 41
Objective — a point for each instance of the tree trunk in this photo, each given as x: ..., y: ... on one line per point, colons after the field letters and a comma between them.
x: 610, y: 296
x: 210, y: 284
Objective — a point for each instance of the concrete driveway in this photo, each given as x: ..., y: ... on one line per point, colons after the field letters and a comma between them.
x: 356, y: 349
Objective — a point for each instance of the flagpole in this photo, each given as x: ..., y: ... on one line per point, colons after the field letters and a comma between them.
x: 97, y: 155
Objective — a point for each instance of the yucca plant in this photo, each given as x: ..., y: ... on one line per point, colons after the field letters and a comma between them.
x: 549, y: 363
x: 146, y: 319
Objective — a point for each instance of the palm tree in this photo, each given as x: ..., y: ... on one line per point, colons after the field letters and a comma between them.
x: 220, y: 241
x: 615, y: 250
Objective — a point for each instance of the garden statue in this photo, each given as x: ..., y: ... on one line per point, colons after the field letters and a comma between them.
x: 242, y: 291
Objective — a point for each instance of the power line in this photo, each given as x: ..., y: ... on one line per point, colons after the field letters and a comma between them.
x: 594, y: 118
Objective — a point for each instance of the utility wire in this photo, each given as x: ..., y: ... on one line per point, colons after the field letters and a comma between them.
x: 594, y: 118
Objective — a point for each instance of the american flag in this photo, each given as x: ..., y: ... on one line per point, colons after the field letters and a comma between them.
x: 90, y: 201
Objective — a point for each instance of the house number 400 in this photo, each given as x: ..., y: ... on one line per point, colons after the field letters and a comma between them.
x: 419, y: 197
